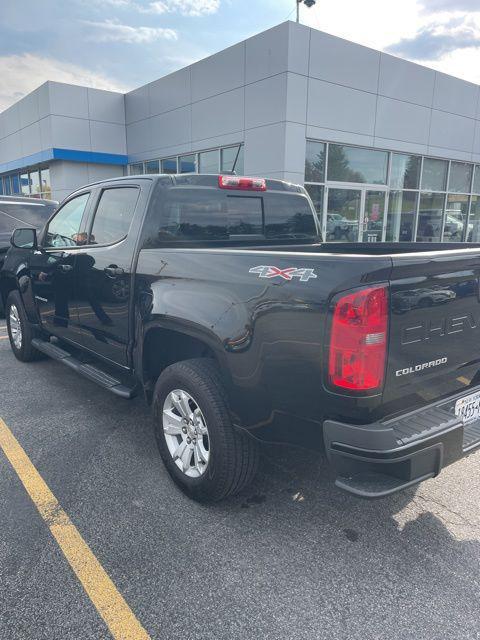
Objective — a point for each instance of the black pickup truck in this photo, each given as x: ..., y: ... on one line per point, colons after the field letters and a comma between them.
x: 215, y: 297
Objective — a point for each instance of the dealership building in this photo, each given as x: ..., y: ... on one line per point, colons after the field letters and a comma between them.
x: 388, y: 149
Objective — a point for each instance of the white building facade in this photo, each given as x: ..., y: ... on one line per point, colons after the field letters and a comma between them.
x: 389, y: 150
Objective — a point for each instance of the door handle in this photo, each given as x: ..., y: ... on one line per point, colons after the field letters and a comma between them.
x: 112, y: 271
x: 66, y: 268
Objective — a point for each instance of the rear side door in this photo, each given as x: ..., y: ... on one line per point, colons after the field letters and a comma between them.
x: 52, y: 268
x: 103, y: 269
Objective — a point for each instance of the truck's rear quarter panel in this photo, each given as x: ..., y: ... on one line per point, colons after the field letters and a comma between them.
x: 269, y: 333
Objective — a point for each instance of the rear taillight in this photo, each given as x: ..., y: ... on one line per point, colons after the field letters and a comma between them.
x: 244, y: 184
x: 358, y: 340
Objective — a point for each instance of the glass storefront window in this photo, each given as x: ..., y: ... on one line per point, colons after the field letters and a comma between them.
x: 430, y: 216
x: 402, y: 207
x: 6, y: 185
x: 152, y: 166
x: 315, y: 192
x: 45, y: 183
x: 315, y: 161
x: 169, y: 165
x: 354, y: 164
x: 187, y: 164
x: 434, y: 176
x: 373, y: 216
x: 15, y: 183
x: 239, y: 167
x: 405, y: 171
x: 456, y: 213
x: 460, y: 179
x: 473, y: 233
x: 228, y: 159
x: 24, y: 184
x: 35, y: 183
x: 208, y: 161
x: 343, y: 215
x: 136, y: 169
x: 476, y: 180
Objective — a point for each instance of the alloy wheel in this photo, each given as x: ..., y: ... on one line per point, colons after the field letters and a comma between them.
x: 186, y: 433
x: 15, y: 327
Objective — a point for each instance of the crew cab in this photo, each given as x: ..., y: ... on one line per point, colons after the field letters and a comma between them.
x: 17, y: 211
x: 215, y: 298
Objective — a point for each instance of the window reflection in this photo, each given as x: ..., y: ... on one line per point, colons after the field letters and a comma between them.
x: 354, y: 164
x: 473, y: 234
x: 136, y: 169
x: 405, y: 171
x: 208, y: 161
x: 476, y: 180
x: 430, y: 216
x: 169, y: 165
x: 456, y: 213
x: 434, y: 176
x: 228, y: 159
x: 45, y: 183
x: 152, y: 166
x: 402, y: 207
x: 315, y: 161
x: 460, y: 177
x: 343, y: 215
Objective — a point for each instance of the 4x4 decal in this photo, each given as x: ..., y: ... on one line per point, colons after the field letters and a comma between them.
x: 268, y: 271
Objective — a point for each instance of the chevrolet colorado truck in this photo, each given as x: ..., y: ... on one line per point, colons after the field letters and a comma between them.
x: 215, y: 298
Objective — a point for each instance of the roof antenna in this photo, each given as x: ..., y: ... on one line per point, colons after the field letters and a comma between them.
x: 308, y: 3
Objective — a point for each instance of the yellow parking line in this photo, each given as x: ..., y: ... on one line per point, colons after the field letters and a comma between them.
x: 110, y: 604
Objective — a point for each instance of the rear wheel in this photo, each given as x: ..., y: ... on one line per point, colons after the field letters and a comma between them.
x: 204, y: 453
x: 19, y: 330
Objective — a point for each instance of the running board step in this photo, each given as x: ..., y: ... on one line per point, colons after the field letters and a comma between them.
x: 86, y: 370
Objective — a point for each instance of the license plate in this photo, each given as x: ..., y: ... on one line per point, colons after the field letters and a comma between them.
x: 468, y: 408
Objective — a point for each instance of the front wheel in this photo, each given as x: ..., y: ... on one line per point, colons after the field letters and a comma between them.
x: 204, y: 453
x: 19, y: 330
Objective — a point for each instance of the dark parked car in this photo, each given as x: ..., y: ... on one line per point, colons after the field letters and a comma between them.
x: 21, y: 212
x: 215, y: 298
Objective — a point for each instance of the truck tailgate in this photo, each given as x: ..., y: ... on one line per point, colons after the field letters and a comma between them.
x: 434, y: 341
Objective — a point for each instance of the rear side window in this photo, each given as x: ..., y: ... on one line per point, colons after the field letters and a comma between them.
x: 114, y: 215
x: 195, y: 214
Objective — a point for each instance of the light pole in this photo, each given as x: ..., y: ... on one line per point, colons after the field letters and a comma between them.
x: 308, y: 3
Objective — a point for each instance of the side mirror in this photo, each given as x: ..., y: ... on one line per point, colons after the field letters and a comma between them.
x: 24, y: 238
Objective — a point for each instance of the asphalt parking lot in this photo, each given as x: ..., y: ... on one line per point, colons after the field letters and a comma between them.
x: 292, y: 557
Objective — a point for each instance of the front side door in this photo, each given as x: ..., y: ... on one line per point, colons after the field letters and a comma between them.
x: 52, y: 269
x: 103, y: 274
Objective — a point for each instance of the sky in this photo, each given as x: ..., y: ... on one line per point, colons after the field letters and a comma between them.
x: 122, y: 44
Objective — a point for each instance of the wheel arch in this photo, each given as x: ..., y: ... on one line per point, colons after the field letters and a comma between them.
x: 164, y: 344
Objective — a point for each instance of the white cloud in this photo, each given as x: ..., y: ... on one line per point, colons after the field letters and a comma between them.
x: 185, y: 7
x: 113, y: 31
x: 22, y: 73
x: 437, y: 33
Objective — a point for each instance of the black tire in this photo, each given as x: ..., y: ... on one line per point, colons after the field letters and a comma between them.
x: 233, y: 454
x: 27, y: 352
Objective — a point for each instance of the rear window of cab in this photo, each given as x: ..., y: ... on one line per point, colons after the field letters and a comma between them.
x: 201, y: 214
